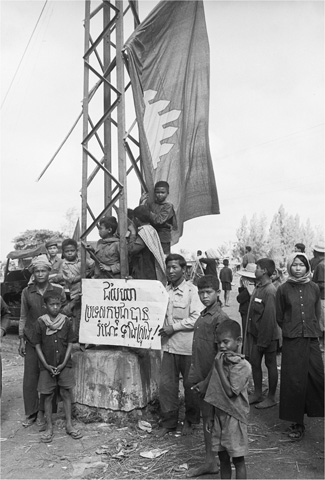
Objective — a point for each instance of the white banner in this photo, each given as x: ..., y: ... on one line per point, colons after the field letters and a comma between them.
x: 119, y: 312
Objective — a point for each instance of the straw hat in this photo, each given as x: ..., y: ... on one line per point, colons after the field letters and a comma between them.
x: 319, y: 248
x: 249, y: 271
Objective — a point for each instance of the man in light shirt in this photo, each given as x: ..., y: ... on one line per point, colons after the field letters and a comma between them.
x: 176, y: 338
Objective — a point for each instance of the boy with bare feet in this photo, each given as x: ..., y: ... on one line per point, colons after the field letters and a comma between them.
x: 263, y: 333
x: 227, y: 393
x: 204, y: 350
x: 53, y: 338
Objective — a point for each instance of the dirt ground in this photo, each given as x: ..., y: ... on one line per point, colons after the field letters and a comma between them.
x: 113, y: 451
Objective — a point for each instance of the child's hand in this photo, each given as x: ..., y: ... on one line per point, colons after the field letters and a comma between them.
x: 52, y: 370
x: 59, y: 368
x: 104, y: 268
x: 199, y: 389
x: 209, y: 424
x: 143, y: 199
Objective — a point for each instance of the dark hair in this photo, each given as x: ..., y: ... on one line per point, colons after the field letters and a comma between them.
x: 268, y: 264
x: 199, y: 252
x: 163, y: 184
x: 142, y: 213
x: 301, y: 247
x: 51, y: 294
x: 69, y: 241
x: 229, y: 326
x: 248, y: 248
x: 304, y: 261
x: 208, y: 281
x: 109, y: 223
x: 177, y: 258
x: 226, y: 262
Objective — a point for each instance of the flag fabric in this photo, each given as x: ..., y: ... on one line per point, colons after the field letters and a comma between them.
x: 168, y: 62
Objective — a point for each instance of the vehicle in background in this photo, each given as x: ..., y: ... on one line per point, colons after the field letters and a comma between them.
x: 15, y: 278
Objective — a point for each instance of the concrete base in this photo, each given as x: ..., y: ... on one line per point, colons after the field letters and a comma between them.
x: 116, y: 378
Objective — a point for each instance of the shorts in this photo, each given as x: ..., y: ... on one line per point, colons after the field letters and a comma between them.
x: 229, y: 434
x: 226, y: 286
x: 273, y: 347
x: 47, y: 384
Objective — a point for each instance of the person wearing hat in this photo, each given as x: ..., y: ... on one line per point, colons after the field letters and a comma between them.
x: 56, y: 275
x: 245, y: 290
x: 32, y: 307
x: 319, y: 279
x: 318, y: 255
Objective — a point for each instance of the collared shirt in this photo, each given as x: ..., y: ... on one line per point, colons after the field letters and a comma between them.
x: 70, y: 271
x: 182, y: 312
x: 33, y: 306
x: 108, y: 252
x: 56, y: 275
x: 204, y: 348
x: 163, y: 218
x: 298, y: 308
x: 54, y: 346
x: 261, y: 315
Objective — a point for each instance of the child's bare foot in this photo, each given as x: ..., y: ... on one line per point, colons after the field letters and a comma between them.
x: 187, y: 428
x: 47, y: 436
x: 267, y: 403
x: 208, y: 467
x: 255, y: 398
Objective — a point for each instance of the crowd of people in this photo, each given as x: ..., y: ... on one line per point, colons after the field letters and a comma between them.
x: 212, y: 353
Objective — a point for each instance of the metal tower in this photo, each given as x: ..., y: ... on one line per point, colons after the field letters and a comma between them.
x: 110, y: 153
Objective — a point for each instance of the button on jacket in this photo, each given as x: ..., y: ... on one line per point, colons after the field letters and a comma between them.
x: 298, y: 309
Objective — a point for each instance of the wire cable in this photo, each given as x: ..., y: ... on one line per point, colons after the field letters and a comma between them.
x: 23, y: 55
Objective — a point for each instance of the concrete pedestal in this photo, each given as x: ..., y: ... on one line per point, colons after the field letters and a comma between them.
x: 116, y: 379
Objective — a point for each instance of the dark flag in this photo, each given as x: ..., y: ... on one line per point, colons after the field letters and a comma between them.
x: 168, y: 59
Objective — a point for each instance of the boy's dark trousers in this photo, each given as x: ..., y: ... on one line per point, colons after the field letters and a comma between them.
x: 171, y: 367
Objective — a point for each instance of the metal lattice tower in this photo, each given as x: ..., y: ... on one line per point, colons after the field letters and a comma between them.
x: 110, y: 150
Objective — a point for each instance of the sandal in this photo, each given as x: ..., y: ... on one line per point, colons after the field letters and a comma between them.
x: 297, y: 433
x: 29, y: 421
x: 75, y: 434
x: 291, y: 428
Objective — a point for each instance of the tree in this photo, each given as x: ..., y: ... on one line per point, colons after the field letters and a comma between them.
x: 34, y: 238
x: 242, y: 235
x: 71, y: 218
x: 274, y: 241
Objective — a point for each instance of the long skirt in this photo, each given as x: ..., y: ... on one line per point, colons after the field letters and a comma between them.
x: 302, y: 379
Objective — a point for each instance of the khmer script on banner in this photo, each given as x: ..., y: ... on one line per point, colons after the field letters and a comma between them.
x: 119, y: 312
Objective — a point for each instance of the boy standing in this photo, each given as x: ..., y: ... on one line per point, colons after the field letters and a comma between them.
x: 162, y: 214
x: 226, y: 279
x: 176, y: 340
x: 227, y: 393
x: 204, y: 350
x: 53, y: 345
x: 263, y: 333
x: 107, y: 250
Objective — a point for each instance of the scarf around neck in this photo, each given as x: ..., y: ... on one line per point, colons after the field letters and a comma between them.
x: 53, y: 325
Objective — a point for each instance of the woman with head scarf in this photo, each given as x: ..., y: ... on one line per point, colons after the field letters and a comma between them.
x: 302, y: 370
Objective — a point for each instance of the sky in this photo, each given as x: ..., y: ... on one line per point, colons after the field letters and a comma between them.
x: 266, y: 125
